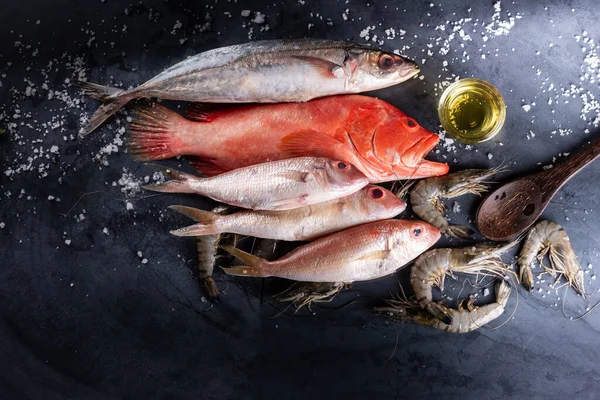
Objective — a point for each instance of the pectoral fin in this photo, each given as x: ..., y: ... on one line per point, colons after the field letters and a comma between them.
x: 375, y: 255
x: 297, y: 176
x: 325, y: 67
x: 310, y: 144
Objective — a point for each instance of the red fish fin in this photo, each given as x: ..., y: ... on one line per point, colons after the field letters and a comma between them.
x: 208, y: 112
x: 326, y: 68
x: 206, y: 166
x: 253, y: 267
x: 153, y: 131
x: 310, y: 144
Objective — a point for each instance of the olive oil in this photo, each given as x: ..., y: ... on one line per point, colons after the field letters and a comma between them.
x: 472, y: 110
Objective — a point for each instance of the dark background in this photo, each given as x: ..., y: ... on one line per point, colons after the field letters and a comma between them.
x: 90, y: 320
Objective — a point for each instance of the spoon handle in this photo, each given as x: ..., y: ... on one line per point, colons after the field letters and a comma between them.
x: 556, y: 177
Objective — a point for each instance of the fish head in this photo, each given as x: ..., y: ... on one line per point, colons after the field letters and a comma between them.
x: 402, y: 143
x: 413, y: 237
x: 372, y: 69
x: 379, y: 202
x: 343, y: 177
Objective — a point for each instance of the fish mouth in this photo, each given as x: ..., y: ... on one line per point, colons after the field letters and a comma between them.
x: 399, y: 208
x: 409, y: 69
x: 413, y: 71
x: 415, y: 158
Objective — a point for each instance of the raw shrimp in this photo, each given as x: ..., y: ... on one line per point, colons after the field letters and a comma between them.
x: 463, y: 321
x: 207, y: 247
x: 549, y: 237
x: 426, y: 197
x: 431, y: 267
x: 307, y: 293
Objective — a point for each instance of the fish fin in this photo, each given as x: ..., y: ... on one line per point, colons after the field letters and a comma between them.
x: 96, y: 91
x: 459, y: 232
x: 112, y: 97
x: 309, y: 144
x: 206, y: 219
x: 152, y: 132
x: 206, y: 166
x: 208, y: 112
x: 375, y: 255
x: 297, y: 176
x: 439, y: 312
x: 180, y: 183
x: 246, y: 258
x: 253, y: 267
x: 327, y: 68
x: 245, y: 271
x: 210, y: 287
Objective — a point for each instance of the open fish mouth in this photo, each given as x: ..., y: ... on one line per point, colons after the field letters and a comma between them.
x: 415, y: 158
x: 412, y: 72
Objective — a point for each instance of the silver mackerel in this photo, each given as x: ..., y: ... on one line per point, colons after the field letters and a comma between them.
x: 263, y: 72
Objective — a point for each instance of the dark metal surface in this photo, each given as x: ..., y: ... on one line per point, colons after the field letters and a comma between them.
x: 90, y: 320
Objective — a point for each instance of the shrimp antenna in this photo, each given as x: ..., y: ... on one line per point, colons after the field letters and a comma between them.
x: 582, y: 315
x: 515, y: 282
x: 407, y: 182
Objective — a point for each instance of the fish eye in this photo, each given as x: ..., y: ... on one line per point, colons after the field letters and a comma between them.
x: 416, y: 231
x: 386, y: 62
x: 376, y: 193
x: 411, y: 122
x: 341, y: 165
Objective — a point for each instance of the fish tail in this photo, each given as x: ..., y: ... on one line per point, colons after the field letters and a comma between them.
x: 112, y: 98
x: 153, y: 131
x: 181, y: 182
x: 206, y: 219
x: 459, y: 232
x: 254, y: 267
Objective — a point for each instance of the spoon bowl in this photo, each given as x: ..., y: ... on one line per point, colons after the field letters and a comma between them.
x: 514, y: 207
x: 510, y: 209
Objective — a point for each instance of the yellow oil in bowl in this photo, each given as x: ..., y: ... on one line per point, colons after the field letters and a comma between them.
x: 472, y: 110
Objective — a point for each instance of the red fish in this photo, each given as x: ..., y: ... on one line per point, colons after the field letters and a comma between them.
x: 381, y: 141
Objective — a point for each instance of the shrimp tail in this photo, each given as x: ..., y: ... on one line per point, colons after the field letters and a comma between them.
x: 459, y: 232
x: 181, y: 182
x: 153, y: 132
x: 206, y: 219
x: 254, y: 267
x: 439, y: 312
x: 210, y: 287
x: 113, y: 98
x: 526, y: 277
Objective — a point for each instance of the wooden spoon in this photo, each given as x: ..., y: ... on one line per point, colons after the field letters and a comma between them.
x: 515, y: 206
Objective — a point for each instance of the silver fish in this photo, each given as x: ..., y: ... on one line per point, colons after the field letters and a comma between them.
x: 371, y: 203
x: 270, y: 71
x: 275, y: 185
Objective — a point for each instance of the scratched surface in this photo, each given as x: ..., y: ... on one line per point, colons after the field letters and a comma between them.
x: 90, y: 320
